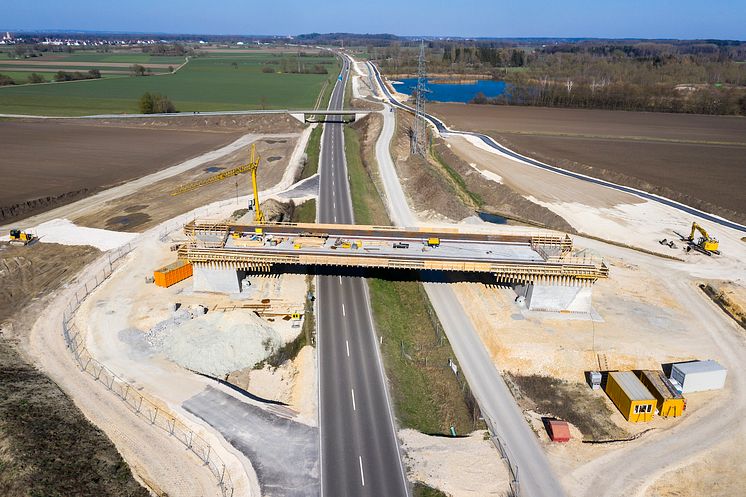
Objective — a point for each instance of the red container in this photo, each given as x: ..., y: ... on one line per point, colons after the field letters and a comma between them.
x: 559, y: 431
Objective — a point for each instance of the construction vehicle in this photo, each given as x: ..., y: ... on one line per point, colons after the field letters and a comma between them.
x: 433, y: 242
x: 18, y: 237
x: 705, y: 243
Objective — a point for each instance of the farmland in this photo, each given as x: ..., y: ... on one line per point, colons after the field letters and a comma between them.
x: 220, y: 81
x: 699, y: 160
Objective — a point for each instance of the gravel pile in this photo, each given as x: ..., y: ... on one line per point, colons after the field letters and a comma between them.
x: 216, y: 343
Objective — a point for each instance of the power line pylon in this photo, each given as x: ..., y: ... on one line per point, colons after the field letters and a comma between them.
x: 419, y: 127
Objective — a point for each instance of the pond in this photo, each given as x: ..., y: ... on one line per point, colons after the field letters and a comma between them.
x: 453, y: 92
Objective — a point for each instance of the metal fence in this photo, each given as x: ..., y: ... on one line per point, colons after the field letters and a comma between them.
x: 149, y: 410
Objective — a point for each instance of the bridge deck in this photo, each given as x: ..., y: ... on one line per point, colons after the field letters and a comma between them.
x: 507, y: 256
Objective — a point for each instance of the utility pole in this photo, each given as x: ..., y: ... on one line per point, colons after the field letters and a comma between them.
x: 419, y: 127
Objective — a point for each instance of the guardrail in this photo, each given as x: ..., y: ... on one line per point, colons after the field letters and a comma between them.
x: 149, y: 410
x: 515, y: 484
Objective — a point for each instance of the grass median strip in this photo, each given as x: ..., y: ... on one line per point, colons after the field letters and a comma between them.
x: 427, y: 396
x: 313, y: 150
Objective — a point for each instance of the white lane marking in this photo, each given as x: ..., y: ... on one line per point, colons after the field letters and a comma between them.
x: 335, y: 203
x: 353, y: 399
x: 340, y: 279
x: 343, y: 310
x: 347, y: 344
x: 362, y: 475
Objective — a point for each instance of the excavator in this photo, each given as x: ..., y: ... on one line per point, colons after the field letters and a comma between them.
x: 705, y: 243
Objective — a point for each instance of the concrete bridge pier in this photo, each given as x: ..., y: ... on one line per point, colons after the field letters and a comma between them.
x: 217, y: 279
x: 557, y: 295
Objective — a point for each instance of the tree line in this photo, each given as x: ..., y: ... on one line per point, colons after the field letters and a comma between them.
x: 707, y: 77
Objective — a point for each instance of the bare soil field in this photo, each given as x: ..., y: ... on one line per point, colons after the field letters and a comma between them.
x: 46, y: 163
x: 154, y: 203
x: 696, y: 159
x: 47, y: 446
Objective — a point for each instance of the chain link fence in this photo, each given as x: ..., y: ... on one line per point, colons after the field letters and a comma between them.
x: 149, y: 410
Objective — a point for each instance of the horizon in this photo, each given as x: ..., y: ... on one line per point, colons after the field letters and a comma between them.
x: 349, y: 33
x: 687, y: 20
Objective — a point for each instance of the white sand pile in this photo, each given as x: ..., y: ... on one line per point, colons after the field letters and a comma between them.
x: 462, y: 467
x: 215, y: 343
x: 65, y: 232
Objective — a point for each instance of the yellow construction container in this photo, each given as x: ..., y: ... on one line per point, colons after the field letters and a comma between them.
x: 433, y: 242
x: 172, y: 273
x: 670, y: 401
x: 630, y: 396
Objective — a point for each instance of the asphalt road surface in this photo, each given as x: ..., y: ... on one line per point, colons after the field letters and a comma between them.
x: 359, y: 448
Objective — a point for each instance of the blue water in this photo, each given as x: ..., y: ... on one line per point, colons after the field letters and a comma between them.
x: 454, y: 92
x: 492, y: 218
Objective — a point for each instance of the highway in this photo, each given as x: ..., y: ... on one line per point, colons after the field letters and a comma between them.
x: 359, y: 449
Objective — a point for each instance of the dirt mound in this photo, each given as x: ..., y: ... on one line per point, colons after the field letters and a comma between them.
x: 216, y: 343
x: 428, y: 189
x: 496, y: 198
x: 278, y: 212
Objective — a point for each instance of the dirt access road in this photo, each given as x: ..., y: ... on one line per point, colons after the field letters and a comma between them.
x: 699, y: 160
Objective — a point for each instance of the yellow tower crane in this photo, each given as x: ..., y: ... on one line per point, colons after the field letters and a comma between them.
x: 253, y: 166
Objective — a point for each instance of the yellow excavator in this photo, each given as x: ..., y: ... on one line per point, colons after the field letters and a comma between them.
x: 705, y: 243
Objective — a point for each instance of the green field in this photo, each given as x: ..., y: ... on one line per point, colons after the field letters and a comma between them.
x: 205, y: 84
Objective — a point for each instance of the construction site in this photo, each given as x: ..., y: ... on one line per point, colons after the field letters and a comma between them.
x: 225, y: 326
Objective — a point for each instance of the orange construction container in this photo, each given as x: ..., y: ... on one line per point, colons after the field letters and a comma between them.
x: 172, y: 274
x: 559, y: 431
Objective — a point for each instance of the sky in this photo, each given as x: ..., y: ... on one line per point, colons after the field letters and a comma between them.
x: 722, y: 19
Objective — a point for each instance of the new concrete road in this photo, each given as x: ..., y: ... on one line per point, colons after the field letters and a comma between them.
x: 536, y: 478
x: 359, y: 448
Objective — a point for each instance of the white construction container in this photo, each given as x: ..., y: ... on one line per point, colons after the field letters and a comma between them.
x: 698, y: 376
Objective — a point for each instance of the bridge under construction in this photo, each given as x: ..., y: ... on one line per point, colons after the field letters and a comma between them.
x: 543, y: 266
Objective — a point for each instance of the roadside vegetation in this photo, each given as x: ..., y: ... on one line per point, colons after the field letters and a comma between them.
x: 313, y: 150
x: 427, y: 395
x: 422, y: 490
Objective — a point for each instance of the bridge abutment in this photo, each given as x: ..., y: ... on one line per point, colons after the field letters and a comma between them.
x: 545, y: 296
